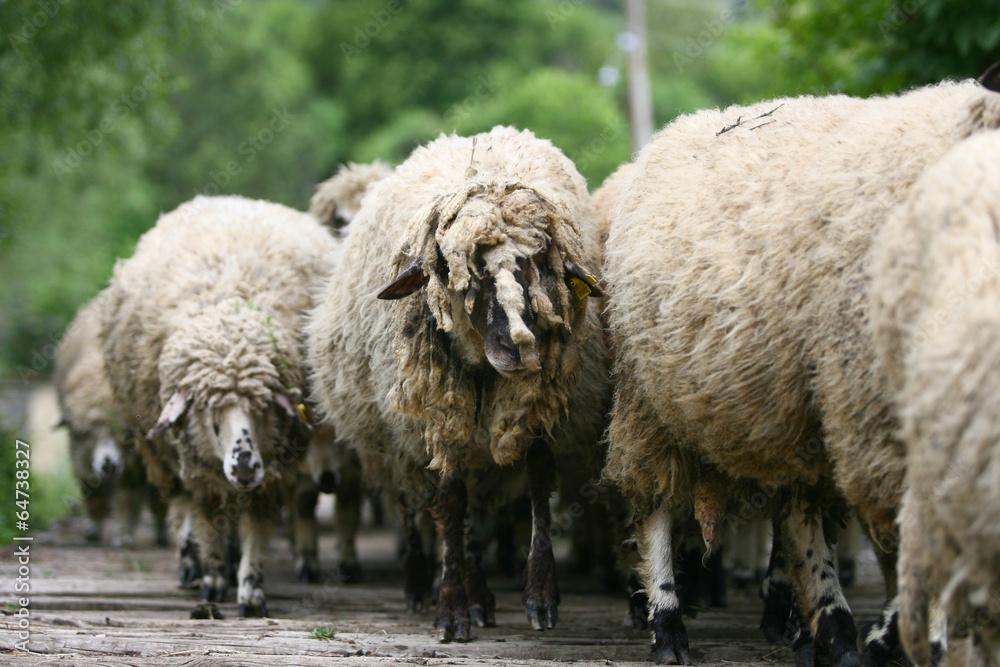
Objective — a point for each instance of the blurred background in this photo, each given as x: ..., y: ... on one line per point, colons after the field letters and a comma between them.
x: 113, y: 112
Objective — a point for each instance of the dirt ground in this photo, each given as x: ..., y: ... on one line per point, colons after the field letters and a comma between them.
x: 99, y: 605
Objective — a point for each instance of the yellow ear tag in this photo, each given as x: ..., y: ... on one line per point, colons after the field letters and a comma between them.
x: 581, y: 288
x: 302, y: 412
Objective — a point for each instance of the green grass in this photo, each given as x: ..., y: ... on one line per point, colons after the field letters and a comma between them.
x: 322, y: 633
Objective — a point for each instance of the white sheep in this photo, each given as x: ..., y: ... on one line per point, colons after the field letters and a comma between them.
x: 202, y: 338
x: 330, y: 465
x: 104, y: 460
x: 496, y: 357
x: 936, y: 311
x: 737, y: 285
x: 338, y: 199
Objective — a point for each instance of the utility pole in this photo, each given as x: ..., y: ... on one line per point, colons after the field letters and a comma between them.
x: 640, y: 96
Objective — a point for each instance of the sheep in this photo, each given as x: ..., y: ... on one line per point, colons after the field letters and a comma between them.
x: 328, y: 466
x: 935, y: 297
x: 338, y: 199
x: 499, y: 359
x: 104, y: 461
x: 736, y: 268
x: 202, y: 327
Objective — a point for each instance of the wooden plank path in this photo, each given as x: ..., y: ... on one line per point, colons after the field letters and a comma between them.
x: 98, y: 605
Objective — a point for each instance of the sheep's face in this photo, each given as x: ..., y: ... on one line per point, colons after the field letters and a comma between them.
x: 324, y: 459
x: 225, y: 362
x: 103, y: 453
x: 503, y: 284
x: 237, y: 444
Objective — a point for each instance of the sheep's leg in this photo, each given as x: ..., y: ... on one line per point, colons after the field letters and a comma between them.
x: 159, y: 510
x: 97, y: 503
x: 823, y: 606
x: 188, y: 556
x: 418, y: 567
x: 305, y: 533
x: 452, y: 618
x: 482, y: 603
x: 131, y: 499
x: 656, y: 546
x: 255, y: 531
x: 541, y: 591
x: 780, y: 621
x: 211, y: 548
x: 347, y: 517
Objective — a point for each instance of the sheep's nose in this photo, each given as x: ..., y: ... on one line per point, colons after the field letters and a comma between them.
x: 108, y: 467
x: 329, y: 481
x: 245, y: 469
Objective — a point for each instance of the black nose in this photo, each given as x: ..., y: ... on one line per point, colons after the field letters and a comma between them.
x: 329, y: 480
x: 244, y: 470
x: 108, y: 468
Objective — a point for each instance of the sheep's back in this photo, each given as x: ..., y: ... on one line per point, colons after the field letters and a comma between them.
x: 735, y: 265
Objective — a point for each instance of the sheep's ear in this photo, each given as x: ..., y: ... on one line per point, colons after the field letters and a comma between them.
x: 293, y: 406
x: 172, y: 411
x: 991, y: 78
x: 410, y: 279
x: 578, y: 281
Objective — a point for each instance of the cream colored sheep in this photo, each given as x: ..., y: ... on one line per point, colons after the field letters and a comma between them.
x: 338, y: 199
x: 496, y: 356
x: 737, y: 288
x: 202, y: 338
x: 104, y: 460
x: 936, y: 311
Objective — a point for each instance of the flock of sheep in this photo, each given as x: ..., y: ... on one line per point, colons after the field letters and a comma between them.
x: 795, y: 300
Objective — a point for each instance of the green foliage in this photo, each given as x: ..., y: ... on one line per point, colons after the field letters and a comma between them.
x: 593, y: 132
x: 113, y: 112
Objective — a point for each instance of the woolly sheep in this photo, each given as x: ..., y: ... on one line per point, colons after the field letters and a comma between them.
x: 935, y: 306
x: 104, y: 461
x: 338, y: 199
x: 737, y: 288
x: 202, y: 327
x: 499, y: 356
x: 329, y: 465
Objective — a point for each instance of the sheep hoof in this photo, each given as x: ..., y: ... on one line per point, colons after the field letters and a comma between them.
x: 350, y: 573
x: 483, y: 617
x: 670, y: 640
x: 308, y: 572
x: 206, y: 611
x: 805, y: 651
x: 452, y: 619
x: 667, y: 656
x: 543, y: 618
x: 92, y: 533
x: 415, y: 603
x: 849, y: 659
x: 254, y: 611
